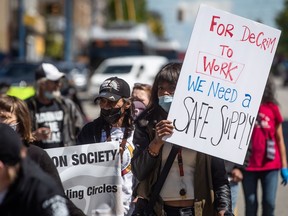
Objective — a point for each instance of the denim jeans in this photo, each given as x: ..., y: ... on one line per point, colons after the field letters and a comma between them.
x: 269, y: 183
x: 234, y: 194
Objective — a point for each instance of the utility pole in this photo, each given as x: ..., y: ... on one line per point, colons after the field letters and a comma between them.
x: 21, y: 33
x: 119, y: 10
x: 131, y: 10
x: 68, y: 30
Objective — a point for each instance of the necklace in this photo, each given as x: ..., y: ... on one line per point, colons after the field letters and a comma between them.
x: 182, y: 191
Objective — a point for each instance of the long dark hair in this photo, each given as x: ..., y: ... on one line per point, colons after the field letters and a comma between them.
x: 269, y: 92
x: 169, y: 73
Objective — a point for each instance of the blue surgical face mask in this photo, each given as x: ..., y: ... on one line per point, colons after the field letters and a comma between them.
x: 165, y: 102
x: 51, y: 95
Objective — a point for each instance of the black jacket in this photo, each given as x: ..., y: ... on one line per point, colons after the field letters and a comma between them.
x: 210, y: 173
x: 41, y: 157
x: 34, y: 193
x: 72, y: 122
x: 91, y: 132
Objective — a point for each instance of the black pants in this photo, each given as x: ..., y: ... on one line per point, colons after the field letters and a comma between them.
x: 178, y: 211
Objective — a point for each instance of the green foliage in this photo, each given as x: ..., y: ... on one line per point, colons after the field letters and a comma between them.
x: 156, y: 25
x: 282, y: 22
x: 142, y: 15
x: 54, y: 46
x: 140, y: 11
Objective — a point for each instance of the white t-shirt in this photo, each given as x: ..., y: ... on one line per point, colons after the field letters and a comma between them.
x: 127, y: 176
x: 174, y: 182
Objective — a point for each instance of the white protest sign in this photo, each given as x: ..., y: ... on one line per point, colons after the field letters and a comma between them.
x: 91, y: 176
x: 221, y: 84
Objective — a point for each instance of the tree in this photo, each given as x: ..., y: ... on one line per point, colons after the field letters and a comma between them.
x: 135, y: 11
x: 281, y: 21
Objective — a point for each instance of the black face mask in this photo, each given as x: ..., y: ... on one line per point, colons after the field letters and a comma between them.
x: 111, y: 115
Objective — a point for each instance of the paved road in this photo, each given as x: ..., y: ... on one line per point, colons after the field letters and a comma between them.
x: 282, y: 193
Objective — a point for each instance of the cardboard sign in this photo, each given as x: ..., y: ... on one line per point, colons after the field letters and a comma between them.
x: 221, y: 84
x: 91, y: 176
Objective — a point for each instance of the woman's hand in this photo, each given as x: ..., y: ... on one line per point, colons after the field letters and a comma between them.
x: 162, y: 128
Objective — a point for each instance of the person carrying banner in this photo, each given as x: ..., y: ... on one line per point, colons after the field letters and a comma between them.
x: 56, y: 120
x: 114, y: 123
x: 266, y: 156
x: 14, y: 112
x: 196, y: 184
x: 24, y: 188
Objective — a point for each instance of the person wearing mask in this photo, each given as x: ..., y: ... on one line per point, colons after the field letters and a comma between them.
x: 56, y: 120
x: 140, y: 95
x: 14, y: 112
x: 24, y: 188
x: 115, y: 123
x: 266, y: 156
x: 196, y: 183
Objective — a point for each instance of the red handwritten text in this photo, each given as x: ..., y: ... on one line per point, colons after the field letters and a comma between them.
x: 258, y: 39
x: 221, y: 29
x: 218, y: 67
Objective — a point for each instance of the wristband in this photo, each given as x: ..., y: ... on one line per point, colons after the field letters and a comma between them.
x: 152, y: 153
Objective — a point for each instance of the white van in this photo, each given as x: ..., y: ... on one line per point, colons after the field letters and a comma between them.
x: 133, y: 69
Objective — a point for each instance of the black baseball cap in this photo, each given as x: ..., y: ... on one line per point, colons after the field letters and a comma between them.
x: 113, y: 89
x: 10, y: 145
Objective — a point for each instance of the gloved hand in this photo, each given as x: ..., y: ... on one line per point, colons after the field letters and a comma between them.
x: 284, y: 175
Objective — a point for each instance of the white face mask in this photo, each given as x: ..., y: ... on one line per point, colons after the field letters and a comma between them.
x: 165, y: 102
x: 14, y: 126
x: 51, y: 95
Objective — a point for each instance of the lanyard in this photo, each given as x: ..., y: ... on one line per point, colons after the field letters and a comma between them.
x: 180, y: 162
x: 182, y: 191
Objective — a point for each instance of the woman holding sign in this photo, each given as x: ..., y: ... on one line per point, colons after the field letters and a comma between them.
x: 194, y: 183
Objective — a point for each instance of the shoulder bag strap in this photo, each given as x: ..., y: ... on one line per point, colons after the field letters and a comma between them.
x: 158, y: 185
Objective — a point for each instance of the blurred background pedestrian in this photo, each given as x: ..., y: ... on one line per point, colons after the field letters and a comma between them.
x: 14, y: 112
x: 266, y: 156
x: 140, y: 96
x: 56, y: 120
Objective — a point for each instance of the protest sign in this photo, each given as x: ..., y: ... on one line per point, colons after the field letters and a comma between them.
x: 91, y: 176
x: 221, y: 83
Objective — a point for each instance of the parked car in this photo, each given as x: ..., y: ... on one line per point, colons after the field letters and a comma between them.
x: 18, y: 73
x: 76, y: 72
x: 133, y: 69
x: 19, y: 77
